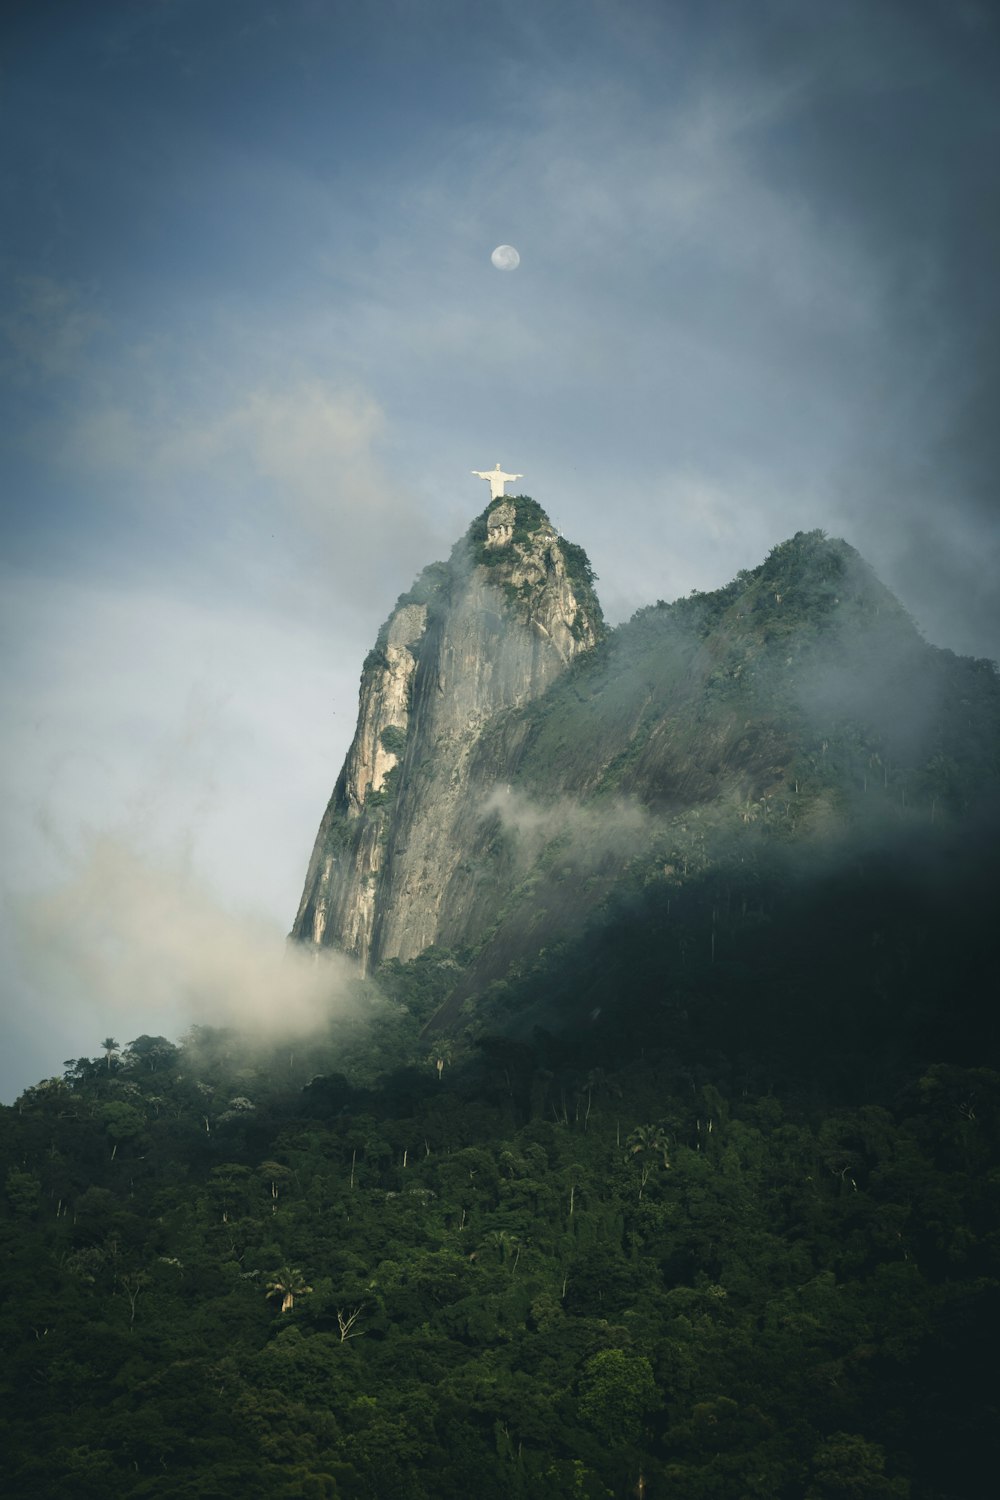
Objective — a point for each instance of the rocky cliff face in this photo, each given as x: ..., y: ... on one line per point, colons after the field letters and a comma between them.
x: 487, y: 632
x: 494, y: 802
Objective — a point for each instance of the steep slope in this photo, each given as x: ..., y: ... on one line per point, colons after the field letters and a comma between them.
x: 796, y: 709
x: 511, y: 770
x: 804, y: 677
x: 488, y: 631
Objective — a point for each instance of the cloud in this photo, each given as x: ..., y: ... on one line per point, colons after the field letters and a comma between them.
x: 180, y: 720
x: 298, y: 436
x: 199, y: 739
x: 302, y: 463
x: 47, y: 329
x: 315, y: 447
x: 128, y: 941
x: 588, y: 830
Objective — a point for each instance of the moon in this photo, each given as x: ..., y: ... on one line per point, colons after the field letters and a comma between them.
x: 505, y: 258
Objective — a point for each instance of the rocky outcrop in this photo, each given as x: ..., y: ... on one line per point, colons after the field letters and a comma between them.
x: 484, y: 633
x: 494, y: 802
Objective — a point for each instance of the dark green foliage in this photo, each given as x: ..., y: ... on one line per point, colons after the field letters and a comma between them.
x: 376, y: 659
x: 387, y: 791
x: 393, y: 739
x: 796, y: 708
x: 702, y: 1192
x: 529, y: 518
x: 577, y: 563
x: 728, y: 1224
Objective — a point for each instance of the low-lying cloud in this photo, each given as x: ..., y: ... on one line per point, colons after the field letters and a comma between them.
x: 139, y: 944
x: 618, y: 826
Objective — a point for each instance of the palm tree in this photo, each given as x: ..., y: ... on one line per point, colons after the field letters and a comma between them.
x: 288, y: 1283
x: 438, y: 1059
x: 111, y: 1048
x: 646, y: 1143
x: 504, y: 1242
x: 649, y: 1140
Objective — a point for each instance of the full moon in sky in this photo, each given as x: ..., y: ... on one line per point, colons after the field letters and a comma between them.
x: 505, y: 258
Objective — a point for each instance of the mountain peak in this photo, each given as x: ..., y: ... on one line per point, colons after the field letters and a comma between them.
x: 514, y: 762
x: 486, y: 632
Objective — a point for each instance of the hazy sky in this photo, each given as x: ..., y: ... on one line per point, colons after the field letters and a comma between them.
x: 251, y: 345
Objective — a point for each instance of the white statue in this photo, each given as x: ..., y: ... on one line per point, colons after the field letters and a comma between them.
x: 497, y: 480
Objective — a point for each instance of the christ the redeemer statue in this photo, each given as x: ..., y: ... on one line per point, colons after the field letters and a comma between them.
x: 497, y: 480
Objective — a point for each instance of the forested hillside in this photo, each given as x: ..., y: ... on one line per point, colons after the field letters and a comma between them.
x: 733, y: 1232
x: 679, y: 1180
x: 793, y: 723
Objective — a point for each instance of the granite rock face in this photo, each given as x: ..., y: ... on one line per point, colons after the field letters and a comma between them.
x: 485, y: 633
x: 507, y: 779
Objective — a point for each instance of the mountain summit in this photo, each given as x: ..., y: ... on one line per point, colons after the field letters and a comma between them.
x: 668, y: 1161
x: 517, y: 770
x: 489, y: 630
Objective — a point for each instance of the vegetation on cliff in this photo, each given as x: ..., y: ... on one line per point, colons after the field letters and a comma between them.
x: 530, y: 520
x: 486, y: 631
x: 733, y: 1231
x: 678, y: 1178
x: 795, y: 712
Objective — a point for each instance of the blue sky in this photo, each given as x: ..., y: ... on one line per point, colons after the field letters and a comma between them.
x: 251, y: 345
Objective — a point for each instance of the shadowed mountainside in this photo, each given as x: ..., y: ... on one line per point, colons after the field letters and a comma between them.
x: 513, y: 763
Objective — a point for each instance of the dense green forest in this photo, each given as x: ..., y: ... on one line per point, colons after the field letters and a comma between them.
x: 793, y: 721
x: 702, y: 1204
x: 681, y: 1181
